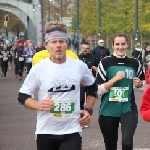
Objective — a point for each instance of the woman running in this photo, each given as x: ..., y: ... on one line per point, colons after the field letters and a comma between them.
x: 116, y: 76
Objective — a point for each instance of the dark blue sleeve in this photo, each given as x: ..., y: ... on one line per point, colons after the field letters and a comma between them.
x: 93, y: 52
x: 24, y: 52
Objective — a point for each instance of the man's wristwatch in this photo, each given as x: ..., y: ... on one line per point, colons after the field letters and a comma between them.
x: 90, y: 111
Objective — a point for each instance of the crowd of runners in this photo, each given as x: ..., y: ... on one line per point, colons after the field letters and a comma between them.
x: 16, y: 54
x: 67, y: 87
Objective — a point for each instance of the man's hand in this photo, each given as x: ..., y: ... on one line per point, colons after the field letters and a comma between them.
x: 46, y: 104
x: 85, y: 119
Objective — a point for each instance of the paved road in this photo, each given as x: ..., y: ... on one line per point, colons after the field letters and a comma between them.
x: 17, y: 124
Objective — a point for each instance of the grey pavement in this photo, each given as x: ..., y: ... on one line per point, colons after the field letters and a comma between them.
x: 17, y: 124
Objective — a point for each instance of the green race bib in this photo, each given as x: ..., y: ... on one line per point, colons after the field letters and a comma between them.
x: 63, y: 109
x: 119, y: 94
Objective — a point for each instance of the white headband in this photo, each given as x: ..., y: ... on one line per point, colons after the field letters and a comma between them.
x: 55, y: 35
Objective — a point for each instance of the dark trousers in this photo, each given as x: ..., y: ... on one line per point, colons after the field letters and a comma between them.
x: 29, y: 66
x: 59, y: 142
x: 16, y: 66
x: 4, y: 65
x: 20, y: 65
x: 109, y: 128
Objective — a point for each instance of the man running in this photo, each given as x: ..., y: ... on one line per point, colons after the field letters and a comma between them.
x: 57, y: 80
x: 92, y: 63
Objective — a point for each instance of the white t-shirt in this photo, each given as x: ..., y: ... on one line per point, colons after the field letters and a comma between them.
x: 62, y: 81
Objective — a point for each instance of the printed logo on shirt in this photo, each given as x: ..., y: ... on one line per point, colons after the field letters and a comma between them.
x: 62, y: 85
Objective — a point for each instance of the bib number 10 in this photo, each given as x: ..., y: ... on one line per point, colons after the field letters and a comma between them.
x: 129, y: 74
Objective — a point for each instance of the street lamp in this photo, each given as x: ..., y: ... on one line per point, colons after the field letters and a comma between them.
x: 61, y: 10
x: 136, y: 21
x: 49, y: 5
x: 99, y: 19
x: 33, y: 8
x: 78, y: 26
x: 39, y: 5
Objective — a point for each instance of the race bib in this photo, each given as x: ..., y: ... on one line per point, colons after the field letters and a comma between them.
x: 119, y: 94
x: 63, y: 109
x: 5, y: 58
x: 21, y: 59
x: 29, y: 59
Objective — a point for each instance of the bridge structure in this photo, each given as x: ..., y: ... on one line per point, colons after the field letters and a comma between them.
x: 31, y: 19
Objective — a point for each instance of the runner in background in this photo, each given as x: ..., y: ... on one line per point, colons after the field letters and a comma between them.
x: 1, y: 48
x: 28, y: 54
x: 14, y: 55
x: 100, y: 51
x: 39, y: 47
x: 92, y: 63
x: 9, y: 48
x: 19, y: 55
x: 4, y: 56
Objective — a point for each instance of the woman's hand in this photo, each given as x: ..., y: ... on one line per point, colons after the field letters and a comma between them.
x: 137, y: 82
x: 119, y: 76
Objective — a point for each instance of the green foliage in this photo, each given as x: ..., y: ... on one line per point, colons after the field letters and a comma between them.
x: 116, y: 15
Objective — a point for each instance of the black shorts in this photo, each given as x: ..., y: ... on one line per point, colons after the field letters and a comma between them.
x: 59, y: 142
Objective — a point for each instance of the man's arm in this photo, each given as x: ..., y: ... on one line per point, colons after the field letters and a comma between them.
x: 44, y: 105
x: 90, y: 101
x: 91, y: 97
x: 96, y: 62
x: 32, y: 104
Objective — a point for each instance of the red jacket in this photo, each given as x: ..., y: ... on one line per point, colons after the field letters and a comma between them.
x: 145, y: 105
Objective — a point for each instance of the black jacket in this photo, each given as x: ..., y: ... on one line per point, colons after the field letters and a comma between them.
x: 38, y: 49
x: 137, y: 53
x: 90, y: 60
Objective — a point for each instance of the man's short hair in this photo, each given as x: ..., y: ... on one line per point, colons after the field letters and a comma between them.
x: 55, y: 26
x: 86, y: 43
